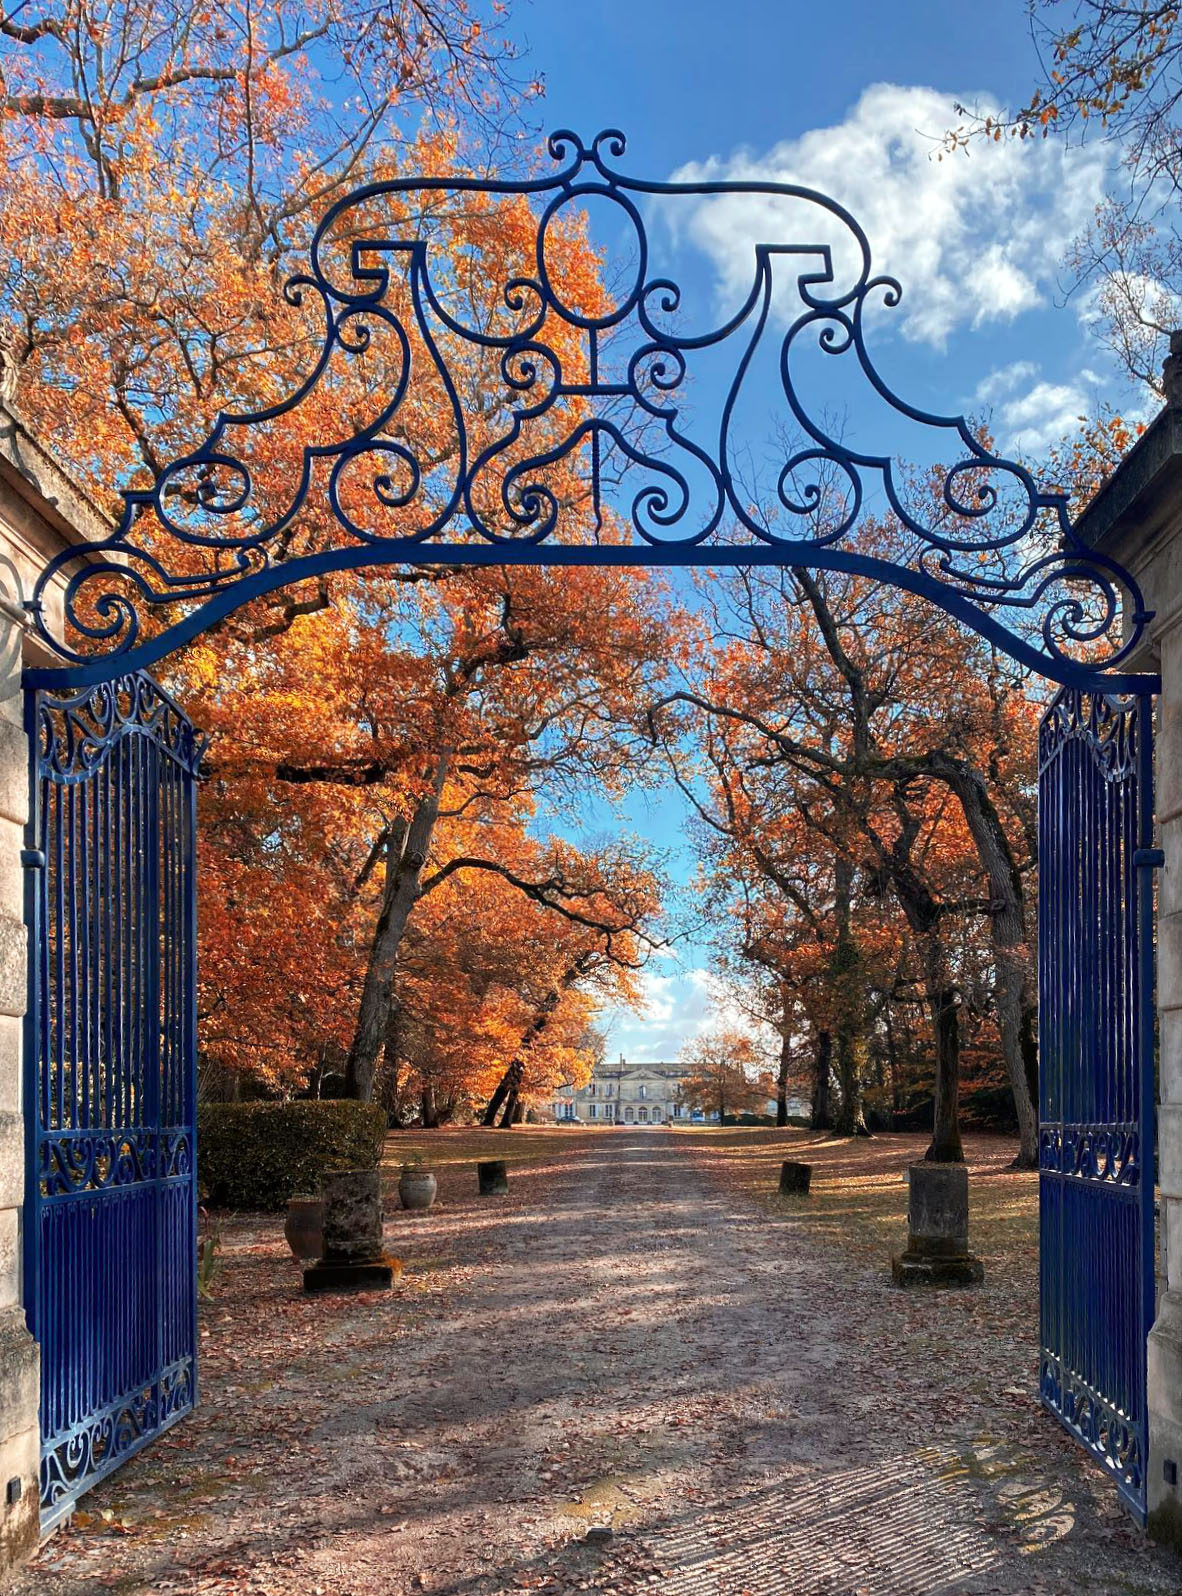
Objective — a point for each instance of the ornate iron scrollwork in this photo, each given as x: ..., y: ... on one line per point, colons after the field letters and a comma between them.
x: 589, y: 390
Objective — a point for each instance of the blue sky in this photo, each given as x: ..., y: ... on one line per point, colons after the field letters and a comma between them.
x: 850, y: 97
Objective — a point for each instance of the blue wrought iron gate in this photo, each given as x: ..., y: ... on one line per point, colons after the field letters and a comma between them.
x: 1096, y: 1033
x: 110, y: 1222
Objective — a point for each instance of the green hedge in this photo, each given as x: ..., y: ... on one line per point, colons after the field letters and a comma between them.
x: 257, y: 1155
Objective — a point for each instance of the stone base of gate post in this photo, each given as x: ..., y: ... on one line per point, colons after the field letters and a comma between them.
x: 938, y: 1230
x: 353, y: 1258
x: 1164, y: 1474
x: 20, y: 1440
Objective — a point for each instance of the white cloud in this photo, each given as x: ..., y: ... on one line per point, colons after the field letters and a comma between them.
x: 674, y: 1010
x: 973, y: 239
x: 1031, y: 415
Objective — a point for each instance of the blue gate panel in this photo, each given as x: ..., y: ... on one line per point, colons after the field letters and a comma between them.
x: 110, y: 1075
x: 1096, y: 1151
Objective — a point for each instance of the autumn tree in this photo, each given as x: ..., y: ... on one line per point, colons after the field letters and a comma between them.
x: 163, y: 166
x: 723, y: 1073
x: 840, y: 707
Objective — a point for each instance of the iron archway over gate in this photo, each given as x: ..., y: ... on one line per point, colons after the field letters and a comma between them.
x: 597, y: 387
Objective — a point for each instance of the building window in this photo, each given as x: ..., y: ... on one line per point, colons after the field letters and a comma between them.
x: 591, y: 1090
x: 628, y: 1114
x: 642, y: 1114
x: 656, y: 1116
x: 677, y: 1111
x: 642, y: 1091
x: 593, y: 1111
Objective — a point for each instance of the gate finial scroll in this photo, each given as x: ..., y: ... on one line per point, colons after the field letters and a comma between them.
x: 568, y: 437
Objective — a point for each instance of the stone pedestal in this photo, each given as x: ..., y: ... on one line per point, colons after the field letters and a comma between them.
x: 938, y: 1230
x: 1164, y: 1478
x: 353, y: 1258
x: 795, y: 1179
x: 492, y: 1177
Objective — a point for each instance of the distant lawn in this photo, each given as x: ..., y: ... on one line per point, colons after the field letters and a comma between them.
x: 859, y: 1198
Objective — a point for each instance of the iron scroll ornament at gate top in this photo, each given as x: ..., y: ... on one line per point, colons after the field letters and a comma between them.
x: 996, y: 551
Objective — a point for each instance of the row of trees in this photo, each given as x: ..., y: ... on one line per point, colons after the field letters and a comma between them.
x: 390, y: 893
x: 862, y: 776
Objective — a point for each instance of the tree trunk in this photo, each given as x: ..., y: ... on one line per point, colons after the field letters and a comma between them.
x: 851, y: 1118
x: 821, y: 1117
x: 847, y: 976
x: 946, y: 1147
x: 506, y: 1085
x: 406, y: 854
x: 1007, y: 927
x: 430, y: 1112
x: 511, y: 1080
x: 509, y: 1117
x: 786, y: 1016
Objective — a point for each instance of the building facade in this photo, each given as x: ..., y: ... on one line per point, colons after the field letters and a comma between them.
x: 620, y: 1093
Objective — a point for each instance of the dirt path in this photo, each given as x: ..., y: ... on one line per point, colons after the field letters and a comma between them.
x: 622, y: 1342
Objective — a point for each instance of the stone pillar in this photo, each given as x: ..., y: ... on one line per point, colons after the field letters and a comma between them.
x: 1137, y: 520
x: 1165, y: 1341
x: 353, y: 1257
x: 20, y: 1441
x: 42, y: 511
x: 937, y: 1229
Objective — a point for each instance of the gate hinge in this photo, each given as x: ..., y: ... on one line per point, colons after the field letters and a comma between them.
x: 32, y: 859
x: 1150, y: 858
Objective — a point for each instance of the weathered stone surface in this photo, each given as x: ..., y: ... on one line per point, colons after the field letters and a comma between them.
x: 13, y: 961
x: 12, y: 1160
x: 795, y: 1178
x: 938, y: 1229
x: 14, y: 773
x: 918, y: 1269
x: 492, y: 1177
x: 352, y: 1216
x: 1165, y: 1422
x: 325, y: 1276
x: 10, y: 1257
x: 938, y: 1209
x: 20, y: 1440
x: 20, y: 1521
x: 10, y: 1063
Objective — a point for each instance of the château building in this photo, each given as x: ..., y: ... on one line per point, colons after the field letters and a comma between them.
x: 620, y: 1093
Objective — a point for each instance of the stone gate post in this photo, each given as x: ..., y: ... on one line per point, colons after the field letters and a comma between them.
x: 1137, y: 519
x: 41, y: 511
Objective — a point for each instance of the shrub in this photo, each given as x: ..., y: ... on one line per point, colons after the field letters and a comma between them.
x: 257, y: 1155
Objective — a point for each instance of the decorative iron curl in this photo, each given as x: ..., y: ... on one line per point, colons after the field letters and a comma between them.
x: 77, y: 732
x: 212, y: 535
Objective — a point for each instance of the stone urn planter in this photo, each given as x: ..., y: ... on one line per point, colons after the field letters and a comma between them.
x: 417, y: 1187
x: 304, y: 1227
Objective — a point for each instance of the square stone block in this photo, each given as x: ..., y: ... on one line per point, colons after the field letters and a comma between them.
x: 1169, y: 961
x: 1170, y: 1057
x: 11, y: 1045
x: 14, y: 773
x: 14, y: 953
x: 12, y: 1161
x: 20, y: 1521
x: 324, y: 1276
x: 10, y: 1257
x: 20, y: 1376
x: 1169, y: 1131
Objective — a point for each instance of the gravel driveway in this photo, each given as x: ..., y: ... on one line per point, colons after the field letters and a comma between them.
x: 621, y: 1345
